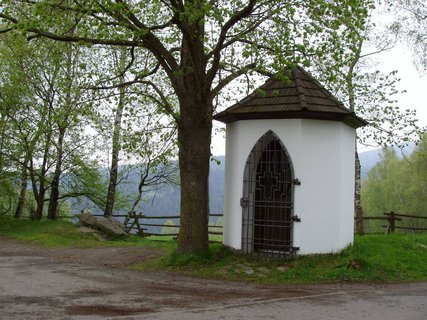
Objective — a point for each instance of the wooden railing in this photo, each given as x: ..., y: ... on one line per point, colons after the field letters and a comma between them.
x: 393, y: 218
x: 138, y: 222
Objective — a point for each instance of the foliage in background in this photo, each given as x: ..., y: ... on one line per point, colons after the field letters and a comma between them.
x: 56, y: 107
x: 397, y: 184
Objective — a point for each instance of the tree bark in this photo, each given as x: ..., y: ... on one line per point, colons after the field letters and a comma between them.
x: 358, y: 211
x: 116, y: 147
x: 194, y: 138
x: 63, y: 122
x: 193, y: 90
x: 39, y: 194
x: 357, y: 196
x: 52, y: 212
x: 23, y: 192
x: 37, y: 215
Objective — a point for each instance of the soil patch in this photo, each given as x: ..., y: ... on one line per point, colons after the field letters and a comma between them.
x: 96, y: 283
x: 107, y: 311
x: 116, y: 257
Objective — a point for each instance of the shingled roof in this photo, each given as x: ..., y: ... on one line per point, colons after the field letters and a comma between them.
x: 301, y: 97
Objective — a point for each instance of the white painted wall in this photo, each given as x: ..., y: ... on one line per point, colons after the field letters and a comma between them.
x: 322, y: 154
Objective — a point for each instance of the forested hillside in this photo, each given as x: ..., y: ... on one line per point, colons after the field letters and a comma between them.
x: 397, y: 184
x: 163, y: 201
x: 368, y: 159
x: 166, y: 200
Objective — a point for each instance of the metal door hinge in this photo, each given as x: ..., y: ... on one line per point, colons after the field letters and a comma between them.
x: 295, y: 218
x: 296, y: 182
x: 244, y: 203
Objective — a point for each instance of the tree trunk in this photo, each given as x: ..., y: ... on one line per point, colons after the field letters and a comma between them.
x: 38, y: 214
x: 116, y: 144
x: 52, y: 212
x: 357, y: 196
x: 109, y: 207
x: 40, y: 195
x: 3, y: 123
x: 194, y: 139
x: 358, y: 212
x: 63, y: 121
x: 23, y: 192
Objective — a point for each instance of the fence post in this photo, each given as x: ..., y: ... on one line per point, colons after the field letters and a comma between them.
x: 391, y: 222
x: 359, y: 223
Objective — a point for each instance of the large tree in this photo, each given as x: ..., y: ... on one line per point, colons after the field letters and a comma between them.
x: 201, y: 46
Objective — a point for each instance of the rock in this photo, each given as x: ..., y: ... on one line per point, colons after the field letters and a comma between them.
x: 355, y: 264
x: 94, y: 232
x: 98, y: 236
x: 245, y: 269
x: 86, y: 230
x: 109, y: 226
x: 87, y: 219
x: 263, y: 270
x: 283, y: 268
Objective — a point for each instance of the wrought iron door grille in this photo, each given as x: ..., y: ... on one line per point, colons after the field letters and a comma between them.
x: 268, y: 199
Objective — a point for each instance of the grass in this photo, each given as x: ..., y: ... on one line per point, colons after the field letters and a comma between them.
x: 66, y: 234
x: 372, y: 258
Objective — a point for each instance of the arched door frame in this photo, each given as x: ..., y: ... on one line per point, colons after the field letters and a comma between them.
x: 282, y: 208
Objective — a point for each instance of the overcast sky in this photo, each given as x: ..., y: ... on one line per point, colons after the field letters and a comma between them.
x: 412, y: 81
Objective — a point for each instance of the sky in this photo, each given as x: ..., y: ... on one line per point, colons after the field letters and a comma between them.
x: 414, y: 82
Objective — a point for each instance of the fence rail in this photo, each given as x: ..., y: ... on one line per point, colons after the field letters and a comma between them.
x: 135, y: 221
x: 393, y: 218
x: 139, y: 222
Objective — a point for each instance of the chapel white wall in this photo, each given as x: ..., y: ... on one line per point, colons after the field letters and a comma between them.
x: 322, y: 154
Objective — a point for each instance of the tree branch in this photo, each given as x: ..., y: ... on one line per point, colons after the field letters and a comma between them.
x: 231, y: 77
x: 216, y: 53
x: 166, y: 105
x: 152, y: 43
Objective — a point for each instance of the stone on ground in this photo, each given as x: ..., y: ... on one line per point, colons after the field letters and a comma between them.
x: 109, y: 226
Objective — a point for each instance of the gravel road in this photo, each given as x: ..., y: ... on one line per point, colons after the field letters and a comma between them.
x: 94, y: 283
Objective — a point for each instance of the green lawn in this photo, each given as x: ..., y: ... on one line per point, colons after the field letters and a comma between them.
x: 378, y: 258
x: 64, y: 233
x: 372, y: 258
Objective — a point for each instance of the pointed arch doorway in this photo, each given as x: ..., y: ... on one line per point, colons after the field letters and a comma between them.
x: 267, y: 202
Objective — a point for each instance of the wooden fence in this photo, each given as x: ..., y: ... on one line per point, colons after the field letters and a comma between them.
x: 394, y: 221
x: 139, y: 222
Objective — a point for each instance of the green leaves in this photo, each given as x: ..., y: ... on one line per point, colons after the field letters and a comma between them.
x: 398, y: 184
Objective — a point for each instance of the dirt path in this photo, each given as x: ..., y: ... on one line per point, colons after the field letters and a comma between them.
x: 40, y: 283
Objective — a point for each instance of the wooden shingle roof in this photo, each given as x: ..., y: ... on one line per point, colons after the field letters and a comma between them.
x: 301, y: 97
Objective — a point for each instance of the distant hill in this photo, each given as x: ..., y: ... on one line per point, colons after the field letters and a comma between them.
x: 368, y: 159
x: 166, y: 201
